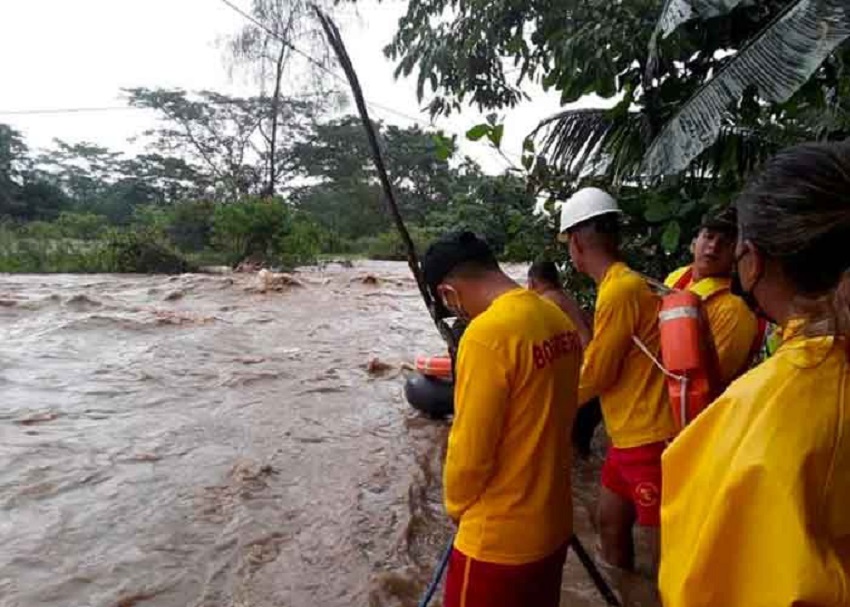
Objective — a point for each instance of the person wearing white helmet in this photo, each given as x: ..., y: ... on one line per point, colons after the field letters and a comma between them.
x: 635, y: 407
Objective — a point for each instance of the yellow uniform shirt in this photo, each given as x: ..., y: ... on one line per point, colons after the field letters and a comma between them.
x: 630, y: 387
x: 756, y: 500
x: 507, y: 471
x: 733, y: 325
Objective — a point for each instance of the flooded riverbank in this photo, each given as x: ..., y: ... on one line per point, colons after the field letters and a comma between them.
x: 193, y: 440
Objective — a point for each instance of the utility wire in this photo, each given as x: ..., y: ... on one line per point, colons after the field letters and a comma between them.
x: 72, y: 110
x: 312, y: 60
x: 115, y: 108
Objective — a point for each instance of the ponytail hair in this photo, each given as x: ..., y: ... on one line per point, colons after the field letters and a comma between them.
x: 797, y: 212
x: 841, y: 309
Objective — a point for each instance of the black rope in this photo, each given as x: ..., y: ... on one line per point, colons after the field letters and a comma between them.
x: 336, y: 43
x: 438, y: 574
x: 594, y: 573
x: 450, y: 336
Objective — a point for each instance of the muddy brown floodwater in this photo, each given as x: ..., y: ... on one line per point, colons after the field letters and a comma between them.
x: 191, y: 441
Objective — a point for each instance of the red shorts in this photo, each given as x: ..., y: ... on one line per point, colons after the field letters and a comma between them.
x: 472, y: 583
x: 635, y: 474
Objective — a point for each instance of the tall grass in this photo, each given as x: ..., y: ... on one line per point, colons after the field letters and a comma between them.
x: 22, y: 252
x: 24, y: 249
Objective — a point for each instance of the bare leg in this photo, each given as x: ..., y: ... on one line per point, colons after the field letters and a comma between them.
x: 653, y: 541
x: 616, y: 519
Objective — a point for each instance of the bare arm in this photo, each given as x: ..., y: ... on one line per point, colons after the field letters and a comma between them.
x: 570, y: 307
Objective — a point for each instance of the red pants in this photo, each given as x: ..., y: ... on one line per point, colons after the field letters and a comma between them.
x: 471, y: 583
x: 635, y: 475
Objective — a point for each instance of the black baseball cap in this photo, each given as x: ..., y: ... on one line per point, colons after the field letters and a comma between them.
x: 450, y: 251
x: 723, y: 220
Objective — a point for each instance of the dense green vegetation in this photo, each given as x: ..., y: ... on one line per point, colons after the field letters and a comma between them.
x: 701, y: 93
x: 85, y: 208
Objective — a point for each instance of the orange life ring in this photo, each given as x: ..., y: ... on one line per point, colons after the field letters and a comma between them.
x: 435, y: 366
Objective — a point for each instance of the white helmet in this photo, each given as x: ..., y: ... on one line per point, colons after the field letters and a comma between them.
x: 585, y: 204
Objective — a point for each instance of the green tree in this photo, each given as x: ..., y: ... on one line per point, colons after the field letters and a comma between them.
x: 500, y: 208
x: 224, y: 137
x: 767, y: 70
x: 348, y: 210
x: 82, y: 226
x: 83, y: 170
x: 169, y: 178
x: 190, y: 224
x: 209, y: 130
x: 264, y: 48
x: 250, y: 227
x: 346, y: 197
x: 719, y: 96
x: 25, y: 193
x: 89, y: 178
x: 39, y: 199
x: 13, y: 153
x: 301, y: 243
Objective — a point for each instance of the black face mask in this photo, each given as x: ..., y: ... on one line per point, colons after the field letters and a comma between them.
x: 737, y: 288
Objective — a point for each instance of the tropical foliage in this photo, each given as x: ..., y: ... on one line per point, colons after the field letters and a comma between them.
x: 86, y: 208
x: 700, y: 92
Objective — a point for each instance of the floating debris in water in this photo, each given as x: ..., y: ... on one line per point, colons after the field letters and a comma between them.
x: 275, y: 281
x: 250, y: 360
x: 38, y: 418
x: 378, y: 367
x: 368, y: 279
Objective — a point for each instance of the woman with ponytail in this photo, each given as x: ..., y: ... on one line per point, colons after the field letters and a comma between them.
x: 756, y: 497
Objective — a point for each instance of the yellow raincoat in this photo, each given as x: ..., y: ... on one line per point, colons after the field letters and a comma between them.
x: 756, y: 498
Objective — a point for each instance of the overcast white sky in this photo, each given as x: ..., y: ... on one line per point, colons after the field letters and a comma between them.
x: 81, y: 53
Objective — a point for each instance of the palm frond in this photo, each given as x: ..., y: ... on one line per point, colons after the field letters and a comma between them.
x: 738, y: 151
x: 777, y: 62
x: 677, y: 12
x: 594, y: 142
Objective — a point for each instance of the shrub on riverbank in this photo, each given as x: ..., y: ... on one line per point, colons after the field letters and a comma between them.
x: 37, y: 249
x: 44, y: 249
x: 140, y: 253
x: 165, y: 239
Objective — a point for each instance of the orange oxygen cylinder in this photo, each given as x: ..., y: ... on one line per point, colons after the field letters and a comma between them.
x: 684, y: 356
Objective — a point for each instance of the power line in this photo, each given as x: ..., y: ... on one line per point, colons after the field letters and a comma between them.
x: 311, y: 59
x: 72, y: 110
x: 257, y: 23
x: 324, y: 68
x: 115, y: 108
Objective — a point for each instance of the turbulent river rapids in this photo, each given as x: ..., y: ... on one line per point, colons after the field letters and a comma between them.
x: 204, y: 440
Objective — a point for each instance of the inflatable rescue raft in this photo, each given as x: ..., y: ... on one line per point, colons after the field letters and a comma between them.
x: 431, y: 389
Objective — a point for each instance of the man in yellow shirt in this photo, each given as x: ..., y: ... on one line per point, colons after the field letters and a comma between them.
x: 545, y: 280
x: 632, y: 391
x: 737, y: 333
x: 507, y: 469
